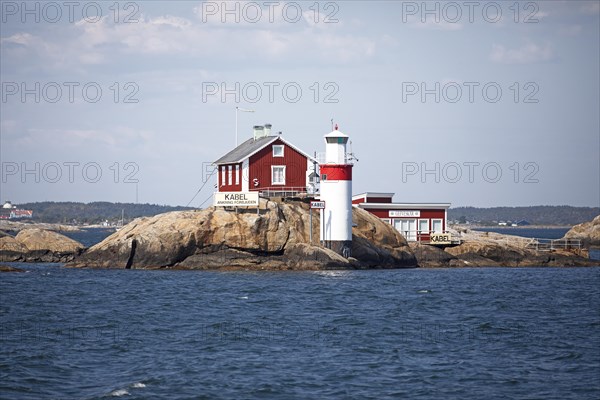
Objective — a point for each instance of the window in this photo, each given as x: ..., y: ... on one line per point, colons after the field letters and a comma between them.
x: 424, y: 226
x: 237, y: 174
x: 278, y: 150
x: 222, y: 175
x: 229, y: 174
x: 277, y: 175
x: 436, y: 225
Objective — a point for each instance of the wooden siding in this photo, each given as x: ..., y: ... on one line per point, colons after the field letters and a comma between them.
x: 359, y: 200
x: 261, y: 163
x: 233, y: 187
x: 378, y: 200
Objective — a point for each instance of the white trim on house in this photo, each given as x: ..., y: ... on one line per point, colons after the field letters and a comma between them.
x: 405, y: 206
x: 246, y: 175
x: 280, y: 152
x: 273, y: 175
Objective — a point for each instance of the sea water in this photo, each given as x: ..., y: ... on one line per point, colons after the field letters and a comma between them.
x: 491, y: 333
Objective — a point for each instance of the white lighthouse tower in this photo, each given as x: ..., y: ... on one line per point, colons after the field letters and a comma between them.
x: 336, y: 192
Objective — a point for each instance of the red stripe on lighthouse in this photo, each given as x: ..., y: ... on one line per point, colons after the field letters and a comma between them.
x: 337, y: 172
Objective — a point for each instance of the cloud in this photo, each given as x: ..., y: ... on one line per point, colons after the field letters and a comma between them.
x: 591, y: 8
x: 570, y: 30
x: 75, y: 46
x: 431, y: 24
x: 23, y: 39
x: 529, y: 53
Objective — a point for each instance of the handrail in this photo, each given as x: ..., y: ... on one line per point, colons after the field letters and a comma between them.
x: 541, y: 244
x: 279, y: 191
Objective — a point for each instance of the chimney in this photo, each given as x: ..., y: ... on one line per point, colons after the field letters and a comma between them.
x: 259, y: 131
x: 268, y: 129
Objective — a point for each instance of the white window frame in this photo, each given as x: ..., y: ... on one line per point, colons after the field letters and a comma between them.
x: 223, y: 175
x: 441, y: 221
x: 237, y: 174
x: 426, y: 230
x: 279, y: 147
x: 273, y: 175
x: 229, y: 174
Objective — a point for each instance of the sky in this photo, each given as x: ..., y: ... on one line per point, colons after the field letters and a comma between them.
x: 472, y: 103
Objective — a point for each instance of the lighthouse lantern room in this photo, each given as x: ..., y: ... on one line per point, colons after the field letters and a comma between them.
x: 336, y: 192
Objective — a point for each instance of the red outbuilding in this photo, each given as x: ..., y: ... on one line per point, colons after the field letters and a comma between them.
x: 268, y: 164
x: 415, y: 221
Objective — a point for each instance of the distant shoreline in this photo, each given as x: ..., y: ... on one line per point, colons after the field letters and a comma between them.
x: 464, y: 226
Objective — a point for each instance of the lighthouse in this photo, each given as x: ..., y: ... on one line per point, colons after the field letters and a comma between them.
x: 336, y: 192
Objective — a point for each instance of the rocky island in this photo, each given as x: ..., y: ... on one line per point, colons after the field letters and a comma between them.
x: 276, y: 238
x: 279, y: 238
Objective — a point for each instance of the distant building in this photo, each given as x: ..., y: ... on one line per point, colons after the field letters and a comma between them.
x: 268, y: 164
x: 415, y: 221
x: 9, y: 211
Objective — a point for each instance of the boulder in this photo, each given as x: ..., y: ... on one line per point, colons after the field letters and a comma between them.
x: 486, y: 249
x: 40, y: 239
x: 431, y: 256
x: 587, y: 232
x: 277, y: 238
x: 499, y: 253
x: 9, y: 243
x: 38, y: 245
x: 7, y: 268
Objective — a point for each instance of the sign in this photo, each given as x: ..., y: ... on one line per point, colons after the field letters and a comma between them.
x: 235, y: 199
x: 440, y: 238
x: 405, y: 213
x: 317, y: 205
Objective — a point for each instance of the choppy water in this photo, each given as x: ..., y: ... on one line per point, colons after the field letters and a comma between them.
x: 419, y: 334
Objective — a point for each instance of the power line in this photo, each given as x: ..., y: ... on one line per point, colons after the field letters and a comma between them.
x: 202, y: 187
x: 208, y: 198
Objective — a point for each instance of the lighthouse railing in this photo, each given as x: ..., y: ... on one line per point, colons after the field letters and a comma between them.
x: 322, y: 159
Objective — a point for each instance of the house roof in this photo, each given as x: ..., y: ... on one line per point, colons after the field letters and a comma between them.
x: 251, y: 147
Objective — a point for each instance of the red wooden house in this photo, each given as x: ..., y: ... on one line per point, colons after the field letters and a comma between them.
x: 415, y: 221
x: 268, y: 164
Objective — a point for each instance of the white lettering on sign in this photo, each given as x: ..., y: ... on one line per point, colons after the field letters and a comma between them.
x: 405, y: 213
x: 317, y: 205
x: 236, y: 199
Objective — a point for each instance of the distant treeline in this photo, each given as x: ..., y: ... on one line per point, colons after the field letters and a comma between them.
x: 535, y: 215
x: 98, y: 212
x: 93, y: 213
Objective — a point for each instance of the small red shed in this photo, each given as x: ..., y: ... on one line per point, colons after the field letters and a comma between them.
x: 415, y: 221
